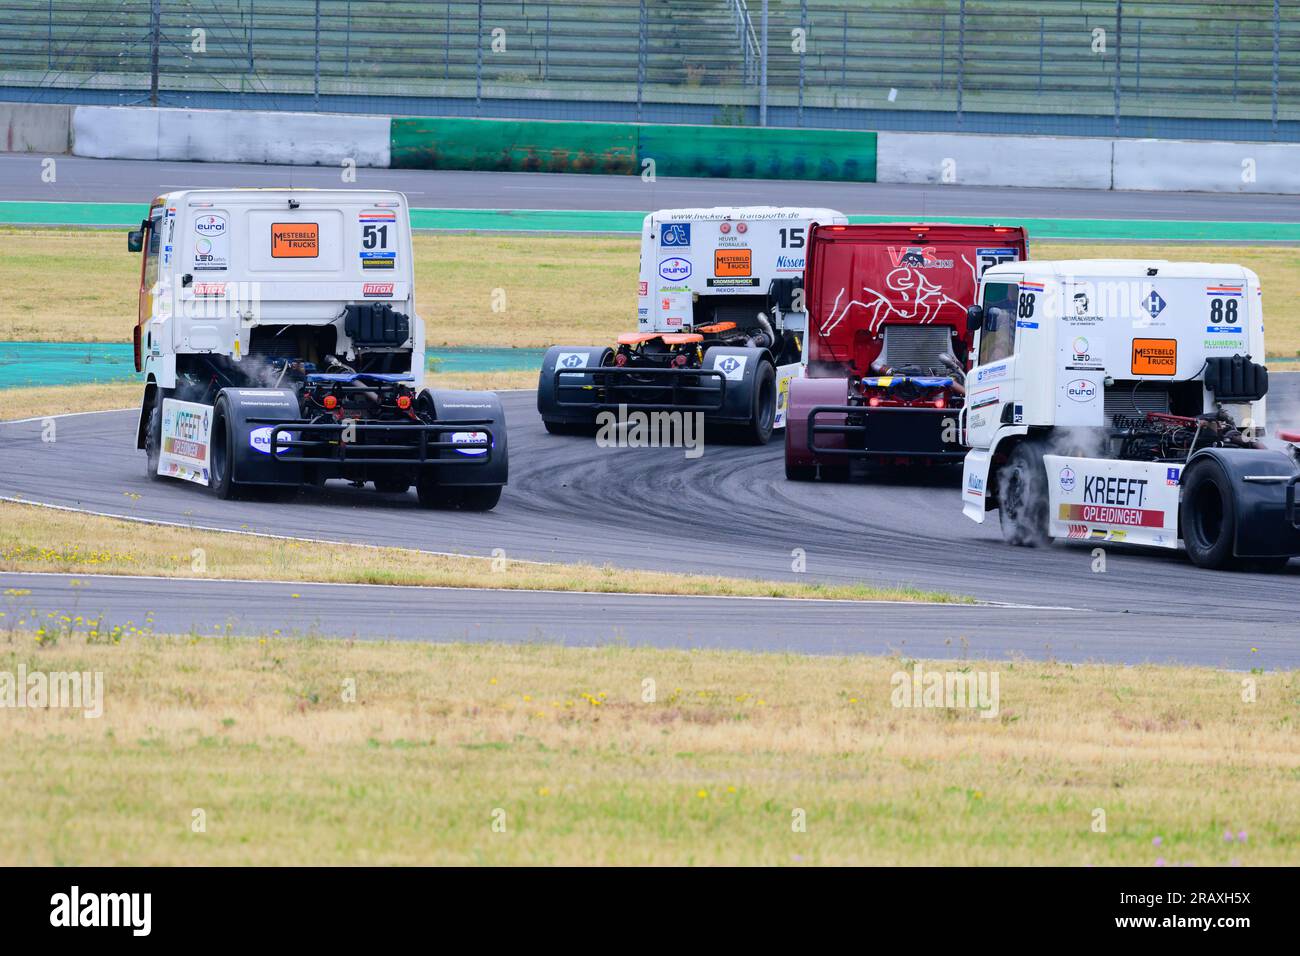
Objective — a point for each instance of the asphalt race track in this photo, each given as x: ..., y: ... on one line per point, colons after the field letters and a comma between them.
x: 730, y: 511
x: 97, y: 180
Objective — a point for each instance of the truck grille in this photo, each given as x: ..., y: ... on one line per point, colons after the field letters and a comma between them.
x: 1123, y: 399
x: 916, y: 345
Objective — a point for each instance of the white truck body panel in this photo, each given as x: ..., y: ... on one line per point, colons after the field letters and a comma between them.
x: 231, y: 259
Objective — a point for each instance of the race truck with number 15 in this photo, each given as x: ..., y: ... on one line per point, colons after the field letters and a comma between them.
x: 1119, y: 401
x: 280, y: 346
x: 887, y: 344
x: 720, y: 327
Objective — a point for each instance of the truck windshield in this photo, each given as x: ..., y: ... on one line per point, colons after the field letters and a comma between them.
x: 998, y: 335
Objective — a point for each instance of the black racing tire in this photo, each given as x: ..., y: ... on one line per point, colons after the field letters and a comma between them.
x: 153, y: 436
x: 221, y: 463
x: 800, y: 472
x: 482, y: 498
x: 1208, y: 515
x: 392, y: 486
x: 569, y: 428
x: 758, y: 431
x: 1022, y: 497
x: 434, y: 496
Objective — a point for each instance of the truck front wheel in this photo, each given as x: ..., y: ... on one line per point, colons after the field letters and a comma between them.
x: 1022, y: 497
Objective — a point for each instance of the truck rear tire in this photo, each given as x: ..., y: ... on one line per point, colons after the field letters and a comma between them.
x: 153, y: 437
x: 1208, y: 515
x: 800, y: 472
x: 1022, y: 497
x: 569, y: 428
x: 759, y: 429
x: 221, y: 466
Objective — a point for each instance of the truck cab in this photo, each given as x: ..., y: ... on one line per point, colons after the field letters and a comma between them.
x: 720, y: 325
x: 1107, y: 396
x: 277, y: 330
x: 888, y: 344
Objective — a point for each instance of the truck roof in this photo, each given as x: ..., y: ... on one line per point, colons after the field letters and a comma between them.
x: 754, y: 213
x: 262, y: 192
x: 1119, y: 268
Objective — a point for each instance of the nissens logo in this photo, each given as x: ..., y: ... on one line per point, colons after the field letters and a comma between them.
x: 371, y: 289
x: 1081, y: 390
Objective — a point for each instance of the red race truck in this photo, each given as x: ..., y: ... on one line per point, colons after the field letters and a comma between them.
x: 887, y: 343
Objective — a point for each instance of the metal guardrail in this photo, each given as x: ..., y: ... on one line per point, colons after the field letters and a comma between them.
x: 1065, y: 61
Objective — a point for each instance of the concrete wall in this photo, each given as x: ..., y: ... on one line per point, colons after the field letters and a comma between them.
x: 972, y: 160
x: 230, y: 136
x: 1076, y: 163
x: 35, y: 128
x: 1186, y: 165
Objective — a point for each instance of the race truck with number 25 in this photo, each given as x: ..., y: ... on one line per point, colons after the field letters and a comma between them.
x: 887, y: 344
x: 1119, y: 401
x: 720, y: 327
x: 280, y: 346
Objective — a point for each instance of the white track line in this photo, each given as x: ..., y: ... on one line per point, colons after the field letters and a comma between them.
x: 609, y: 594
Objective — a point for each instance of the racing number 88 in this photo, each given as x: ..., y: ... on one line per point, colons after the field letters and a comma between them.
x: 1221, y: 311
x: 1025, y: 308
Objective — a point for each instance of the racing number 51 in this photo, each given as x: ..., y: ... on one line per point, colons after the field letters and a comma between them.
x: 373, y: 236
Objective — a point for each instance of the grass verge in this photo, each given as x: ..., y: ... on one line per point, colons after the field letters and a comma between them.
x: 522, y: 291
x: 281, y: 752
x: 33, y: 538
x: 62, y: 399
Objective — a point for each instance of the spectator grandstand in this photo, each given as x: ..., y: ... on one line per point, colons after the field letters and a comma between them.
x: 1191, y: 68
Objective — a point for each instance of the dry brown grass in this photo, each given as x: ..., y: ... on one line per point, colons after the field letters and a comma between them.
x: 33, y: 538
x: 259, y: 735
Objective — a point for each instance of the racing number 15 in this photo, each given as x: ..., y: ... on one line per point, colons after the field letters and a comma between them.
x: 792, y: 238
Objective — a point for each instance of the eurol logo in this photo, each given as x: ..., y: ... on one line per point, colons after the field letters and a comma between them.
x: 675, y: 269
x: 210, y: 225
x: 371, y: 289
x: 1081, y: 390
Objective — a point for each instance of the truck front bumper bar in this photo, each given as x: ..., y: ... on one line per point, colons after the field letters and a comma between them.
x: 669, y: 389
x: 379, y: 443
x: 889, y: 432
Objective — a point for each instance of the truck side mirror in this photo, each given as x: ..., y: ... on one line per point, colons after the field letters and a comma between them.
x: 135, y: 240
x: 974, y: 318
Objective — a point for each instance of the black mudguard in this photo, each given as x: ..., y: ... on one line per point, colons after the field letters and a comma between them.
x: 450, y: 406
x: 740, y: 365
x: 1264, y: 529
x: 569, y: 357
x: 251, y: 410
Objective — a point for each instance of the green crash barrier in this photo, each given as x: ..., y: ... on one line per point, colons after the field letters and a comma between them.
x: 515, y: 145
x: 626, y: 148
x: 738, y: 152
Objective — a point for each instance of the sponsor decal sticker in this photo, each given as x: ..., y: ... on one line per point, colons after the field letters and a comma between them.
x: 642, y: 288
x: 974, y: 485
x: 732, y: 263
x: 1172, y: 475
x: 466, y: 438
x: 676, y: 235
x: 992, y: 373
x: 1153, y: 304
x: 1067, y: 478
x: 295, y: 240
x: 210, y: 225
x: 675, y: 269
x: 571, y: 360
x: 371, y: 289
x: 732, y: 366
x: 1155, y: 356
x: 1081, y: 390
x: 209, y: 290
